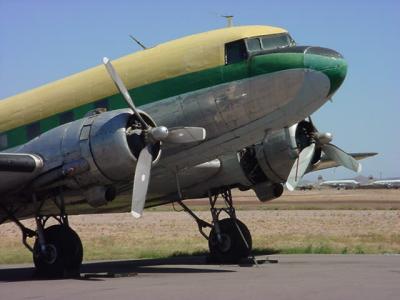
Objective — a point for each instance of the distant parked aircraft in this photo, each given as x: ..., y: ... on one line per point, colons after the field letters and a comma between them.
x: 390, y: 184
x: 345, y: 184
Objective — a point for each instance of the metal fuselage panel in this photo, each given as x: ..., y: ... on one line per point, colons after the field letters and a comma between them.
x: 238, y: 114
x: 235, y: 115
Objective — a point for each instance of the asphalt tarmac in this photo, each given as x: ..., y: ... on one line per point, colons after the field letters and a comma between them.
x: 292, y: 277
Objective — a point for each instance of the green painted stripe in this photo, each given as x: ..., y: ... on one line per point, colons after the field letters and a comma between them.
x: 49, y: 123
x: 16, y: 136
x: 263, y: 64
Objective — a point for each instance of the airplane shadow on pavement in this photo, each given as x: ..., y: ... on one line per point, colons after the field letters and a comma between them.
x: 125, y: 268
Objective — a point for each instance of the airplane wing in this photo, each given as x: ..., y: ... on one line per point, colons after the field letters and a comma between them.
x: 326, y: 163
x: 17, y: 169
x: 20, y: 162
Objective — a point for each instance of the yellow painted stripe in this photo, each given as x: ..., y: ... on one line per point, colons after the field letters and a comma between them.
x: 185, y: 55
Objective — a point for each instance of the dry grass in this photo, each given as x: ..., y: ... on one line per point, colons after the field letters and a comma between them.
x: 326, y: 221
x: 361, y: 199
x: 160, y: 234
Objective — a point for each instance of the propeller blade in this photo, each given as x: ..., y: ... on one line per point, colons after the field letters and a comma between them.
x: 141, y: 181
x: 341, y: 157
x: 122, y: 89
x: 183, y: 135
x: 300, y: 167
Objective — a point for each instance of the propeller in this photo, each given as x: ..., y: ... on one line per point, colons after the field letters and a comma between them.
x: 311, y: 141
x: 151, y: 136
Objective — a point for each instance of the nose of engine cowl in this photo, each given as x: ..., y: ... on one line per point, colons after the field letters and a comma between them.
x: 328, y: 61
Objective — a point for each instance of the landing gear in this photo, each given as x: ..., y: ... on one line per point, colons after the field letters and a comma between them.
x: 229, y: 240
x: 57, y: 251
x: 232, y: 246
x: 60, y: 255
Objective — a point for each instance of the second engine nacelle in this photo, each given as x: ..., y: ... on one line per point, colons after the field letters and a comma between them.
x: 273, y: 158
x: 277, y: 153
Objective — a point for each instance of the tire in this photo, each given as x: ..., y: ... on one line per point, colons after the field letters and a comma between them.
x: 233, y: 249
x: 65, y: 253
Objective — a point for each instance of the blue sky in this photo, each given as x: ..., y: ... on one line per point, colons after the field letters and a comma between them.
x: 41, y: 41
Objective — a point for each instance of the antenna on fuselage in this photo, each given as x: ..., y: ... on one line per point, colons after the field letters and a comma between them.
x: 229, y: 20
x: 138, y: 42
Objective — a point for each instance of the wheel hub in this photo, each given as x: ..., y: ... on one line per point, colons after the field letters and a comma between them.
x: 225, y: 243
x: 49, y: 255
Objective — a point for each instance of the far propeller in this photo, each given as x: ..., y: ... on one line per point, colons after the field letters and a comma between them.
x: 315, y: 142
x: 152, y: 135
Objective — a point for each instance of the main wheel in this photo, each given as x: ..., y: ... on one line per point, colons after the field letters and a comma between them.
x: 232, y: 248
x: 63, y: 253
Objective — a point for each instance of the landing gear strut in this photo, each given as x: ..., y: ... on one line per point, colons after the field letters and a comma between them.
x: 57, y: 251
x: 229, y: 240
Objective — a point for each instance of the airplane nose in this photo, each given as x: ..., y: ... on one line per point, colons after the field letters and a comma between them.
x: 328, y: 61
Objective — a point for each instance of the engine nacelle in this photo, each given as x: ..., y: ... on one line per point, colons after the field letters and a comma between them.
x: 276, y: 154
x: 90, y: 152
x: 267, y: 165
x: 234, y: 170
x: 99, y: 195
x: 267, y: 191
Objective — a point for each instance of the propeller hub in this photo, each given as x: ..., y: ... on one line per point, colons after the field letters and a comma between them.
x: 159, y: 133
x: 324, y: 137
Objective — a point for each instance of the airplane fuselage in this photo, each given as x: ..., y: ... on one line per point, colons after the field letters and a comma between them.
x: 220, y: 80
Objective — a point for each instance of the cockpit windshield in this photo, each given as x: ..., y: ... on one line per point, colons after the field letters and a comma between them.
x: 240, y: 50
x: 270, y: 42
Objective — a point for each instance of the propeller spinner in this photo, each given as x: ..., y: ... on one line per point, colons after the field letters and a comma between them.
x: 152, y: 135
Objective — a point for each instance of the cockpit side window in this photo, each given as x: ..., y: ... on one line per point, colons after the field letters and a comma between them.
x: 235, y: 52
x: 254, y: 44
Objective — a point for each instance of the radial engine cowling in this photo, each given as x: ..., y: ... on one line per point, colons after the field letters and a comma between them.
x: 114, y: 150
x: 280, y: 148
x: 111, y: 147
x: 97, y: 150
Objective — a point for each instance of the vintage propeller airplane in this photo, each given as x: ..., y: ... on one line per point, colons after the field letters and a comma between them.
x: 204, y: 114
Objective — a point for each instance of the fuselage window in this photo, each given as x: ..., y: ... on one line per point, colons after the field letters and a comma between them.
x: 33, y: 130
x: 235, y: 52
x: 3, y: 141
x: 66, y: 117
x: 253, y: 44
x: 102, y: 104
